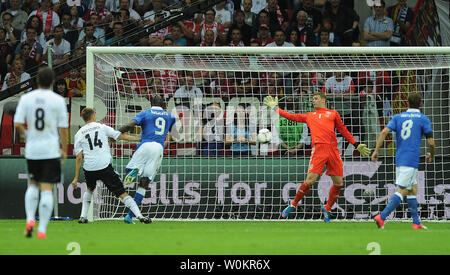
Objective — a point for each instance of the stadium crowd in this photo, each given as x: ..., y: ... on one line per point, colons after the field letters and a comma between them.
x: 29, y: 27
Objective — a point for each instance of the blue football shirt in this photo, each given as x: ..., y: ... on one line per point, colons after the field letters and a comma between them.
x: 155, y: 124
x: 409, y: 126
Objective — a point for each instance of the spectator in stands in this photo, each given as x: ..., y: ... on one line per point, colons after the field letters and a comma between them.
x: 187, y: 30
x: 11, y: 35
x: 208, y: 39
x: 168, y: 42
x: 238, y: 136
x: 236, y: 38
x: 176, y: 35
x: 256, y: 5
x: 149, y: 16
x: 99, y: 32
x: 29, y: 5
x: 36, y: 23
x: 212, y: 131
x: 157, y: 38
x: 60, y: 88
x: 104, y: 15
x: 250, y: 16
x: 223, y: 16
x: 220, y: 85
x: 275, y: 84
x: 314, y: 15
x: 6, y: 55
x: 60, y: 47
x: 340, y: 89
x: 76, y: 21
x: 210, y: 24
x: 37, y: 50
x: 306, y: 34
x: 142, y: 6
x: 130, y: 26
x: 264, y: 37
x: 263, y: 19
x: 89, y: 38
x: 30, y: 64
x: 154, y: 87
x: 75, y: 83
x: 118, y: 39
x: 277, y: 16
x: 280, y: 40
x: 345, y: 22
x: 16, y: 75
x: 246, y: 30
x: 402, y: 17
x: 327, y: 25
x: 293, y: 36
x: 378, y: 28
x: 304, y: 84
x: 19, y: 17
x: 50, y: 19
x: 133, y: 15
x: 189, y: 90
x: 70, y: 34
x: 324, y: 38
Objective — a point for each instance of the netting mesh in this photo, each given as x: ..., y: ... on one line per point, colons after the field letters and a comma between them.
x: 215, y: 168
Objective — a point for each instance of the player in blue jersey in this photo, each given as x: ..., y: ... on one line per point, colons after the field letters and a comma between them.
x: 156, y: 124
x: 409, y: 126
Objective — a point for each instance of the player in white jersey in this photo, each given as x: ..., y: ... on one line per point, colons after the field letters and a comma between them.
x: 92, y: 143
x: 41, y: 116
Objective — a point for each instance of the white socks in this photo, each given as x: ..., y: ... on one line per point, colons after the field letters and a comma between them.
x: 87, y: 197
x: 45, y: 210
x: 31, y: 201
x: 131, y: 204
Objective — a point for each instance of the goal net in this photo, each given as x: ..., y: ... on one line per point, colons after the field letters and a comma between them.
x: 215, y: 168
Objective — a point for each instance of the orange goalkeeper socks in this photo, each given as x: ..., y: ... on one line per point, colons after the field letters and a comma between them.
x: 302, y: 191
x: 333, y: 196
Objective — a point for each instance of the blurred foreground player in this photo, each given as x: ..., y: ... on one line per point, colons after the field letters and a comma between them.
x: 410, y: 126
x: 92, y: 143
x: 322, y: 124
x: 156, y: 124
x: 41, y: 117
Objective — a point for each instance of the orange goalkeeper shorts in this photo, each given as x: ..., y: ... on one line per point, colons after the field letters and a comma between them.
x: 326, y: 154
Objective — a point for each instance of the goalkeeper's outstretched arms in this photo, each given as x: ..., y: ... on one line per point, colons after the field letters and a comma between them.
x: 272, y: 103
x: 380, y: 141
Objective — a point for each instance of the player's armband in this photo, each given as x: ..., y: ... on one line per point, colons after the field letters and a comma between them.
x: 429, y: 135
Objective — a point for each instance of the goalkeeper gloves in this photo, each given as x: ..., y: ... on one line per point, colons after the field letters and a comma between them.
x: 362, y: 148
x: 270, y: 101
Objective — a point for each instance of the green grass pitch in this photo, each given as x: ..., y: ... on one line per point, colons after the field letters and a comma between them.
x: 226, y: 238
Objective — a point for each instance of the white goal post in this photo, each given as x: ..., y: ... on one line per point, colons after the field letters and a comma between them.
x: 215, y: 169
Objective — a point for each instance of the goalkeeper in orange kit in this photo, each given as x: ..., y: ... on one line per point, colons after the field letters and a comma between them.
x: 322, y: 124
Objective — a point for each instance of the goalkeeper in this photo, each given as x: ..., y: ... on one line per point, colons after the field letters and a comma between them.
x: 322, y: 124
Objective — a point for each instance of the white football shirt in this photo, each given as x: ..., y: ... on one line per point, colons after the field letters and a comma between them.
x: 44, y: 112
x: 92, y: 140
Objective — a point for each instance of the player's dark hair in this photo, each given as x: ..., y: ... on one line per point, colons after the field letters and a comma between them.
x: 157, y: 100
x: 87, y: 113
x: 45, y: 77
x: 414, y: 100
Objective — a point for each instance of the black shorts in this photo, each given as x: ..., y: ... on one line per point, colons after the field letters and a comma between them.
x: 44, y: 170
x: 108, y: 176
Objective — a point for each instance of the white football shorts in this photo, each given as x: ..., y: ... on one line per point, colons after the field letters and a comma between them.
x: 406, y: 177
x: 147, y: 158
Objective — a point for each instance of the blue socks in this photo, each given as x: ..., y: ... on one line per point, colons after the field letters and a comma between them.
x: 138, y: 197
x: 394, y: 202
x: 412, y: 205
